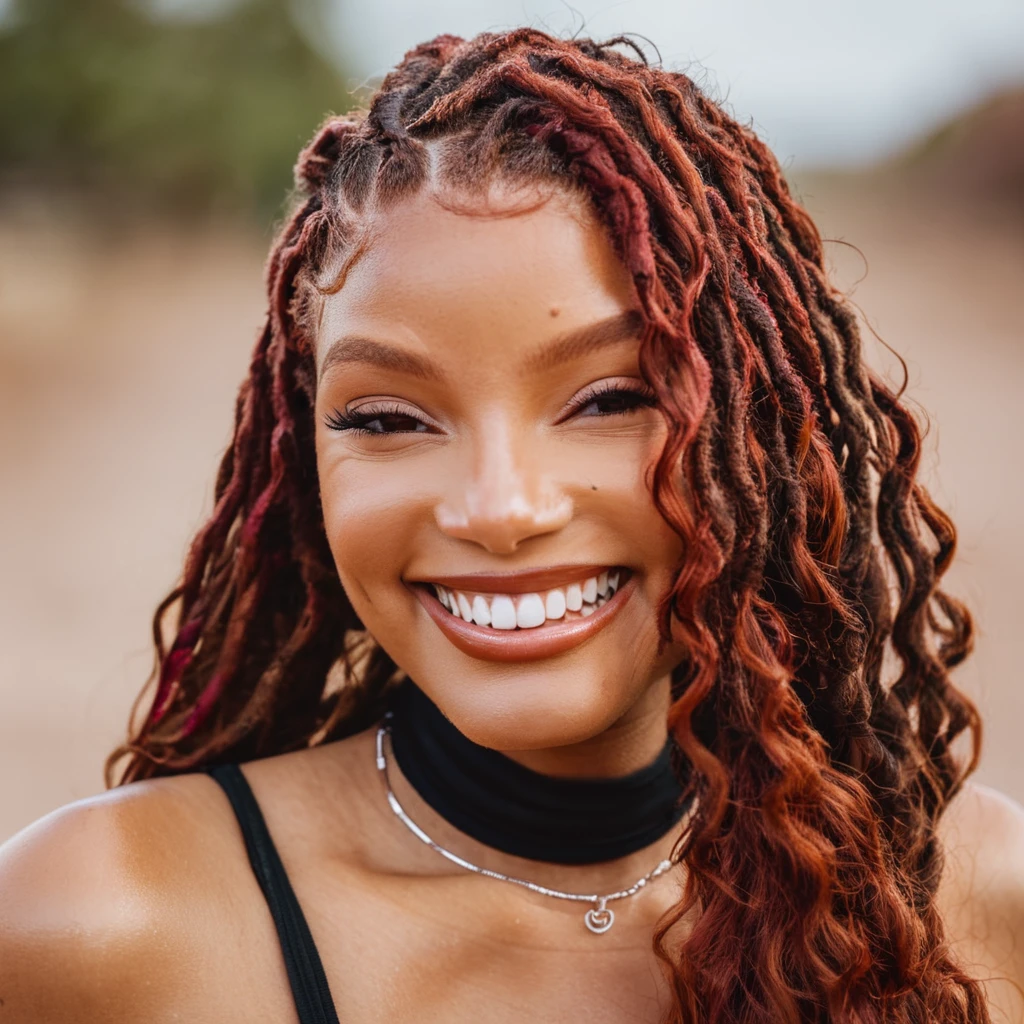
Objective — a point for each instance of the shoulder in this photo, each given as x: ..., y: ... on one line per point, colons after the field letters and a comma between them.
x: 144, y: 898
x: 982, y: 892
x: 104, y: 903
x: 982, y: 832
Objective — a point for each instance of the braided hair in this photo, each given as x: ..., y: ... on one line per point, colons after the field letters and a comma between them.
x: 813, y: 555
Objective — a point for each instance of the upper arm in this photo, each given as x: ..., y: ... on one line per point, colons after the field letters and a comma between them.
x: 85, y: 920
x: 982, y: 893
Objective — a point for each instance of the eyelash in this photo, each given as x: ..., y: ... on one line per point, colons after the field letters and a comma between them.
x: 356, y: 423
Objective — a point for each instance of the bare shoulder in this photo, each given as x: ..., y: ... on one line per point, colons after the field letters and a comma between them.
x: 982, y: 892
x: 982, y: 832
x: 108, y: 906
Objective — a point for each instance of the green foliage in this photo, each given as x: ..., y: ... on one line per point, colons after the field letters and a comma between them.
x: 185, y: 116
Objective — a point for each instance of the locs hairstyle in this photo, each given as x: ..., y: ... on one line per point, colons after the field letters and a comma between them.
x: 789, y: 472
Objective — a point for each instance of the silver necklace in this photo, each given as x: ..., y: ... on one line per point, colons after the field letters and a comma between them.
x: 599, y: 918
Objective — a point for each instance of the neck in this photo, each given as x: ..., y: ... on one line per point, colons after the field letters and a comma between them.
x: 632, y: 742
x: 509, y: 806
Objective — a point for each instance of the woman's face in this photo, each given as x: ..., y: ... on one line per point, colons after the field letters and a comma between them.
x: 482, y: 427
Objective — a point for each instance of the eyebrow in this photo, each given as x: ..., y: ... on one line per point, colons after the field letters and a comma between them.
x: 625, y: 326
x: 356, y: 349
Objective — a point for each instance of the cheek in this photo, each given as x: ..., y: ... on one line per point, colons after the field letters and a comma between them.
x: 617, y: 478
x: 373, y: 514
x: 379, y: 516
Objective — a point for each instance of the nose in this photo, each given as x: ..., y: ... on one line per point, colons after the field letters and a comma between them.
x: 505, y: 495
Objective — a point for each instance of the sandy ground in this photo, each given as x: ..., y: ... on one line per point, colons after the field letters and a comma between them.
x: 119, y: 360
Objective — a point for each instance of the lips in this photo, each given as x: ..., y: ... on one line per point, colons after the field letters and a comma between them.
x: 554, y: 637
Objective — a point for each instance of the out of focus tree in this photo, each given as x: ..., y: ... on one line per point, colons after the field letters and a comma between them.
x: 182, y: 115
x: 979, y: 153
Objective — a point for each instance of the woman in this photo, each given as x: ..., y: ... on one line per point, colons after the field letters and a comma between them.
x: 546, y: 602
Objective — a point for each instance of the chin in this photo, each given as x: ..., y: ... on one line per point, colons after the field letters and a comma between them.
x: 535, y: 711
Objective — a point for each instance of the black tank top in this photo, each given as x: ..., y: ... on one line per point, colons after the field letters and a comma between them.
x: 301, y: 959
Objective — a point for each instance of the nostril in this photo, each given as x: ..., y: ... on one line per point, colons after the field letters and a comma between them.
x: 500, y: 526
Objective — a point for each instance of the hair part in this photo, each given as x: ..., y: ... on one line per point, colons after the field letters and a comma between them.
x: 813, y: 554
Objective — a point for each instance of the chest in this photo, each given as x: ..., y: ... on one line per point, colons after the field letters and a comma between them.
x: 454, y: 950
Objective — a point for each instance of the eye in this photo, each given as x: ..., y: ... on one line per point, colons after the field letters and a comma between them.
x: 612, y: 398
x: 377, y: 419
x: 605, y: 398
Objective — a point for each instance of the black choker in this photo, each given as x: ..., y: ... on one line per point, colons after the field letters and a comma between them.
x: 513, y: 809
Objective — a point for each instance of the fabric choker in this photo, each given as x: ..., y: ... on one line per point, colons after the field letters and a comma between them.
x: 511, y: 808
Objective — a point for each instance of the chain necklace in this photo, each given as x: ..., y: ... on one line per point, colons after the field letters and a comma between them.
x: 599, y: 918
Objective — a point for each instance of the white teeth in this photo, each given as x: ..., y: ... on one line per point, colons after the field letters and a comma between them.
x: 503, y: 612
x: 481, y: 612
x: 554, y: 604
x: 530, y: 611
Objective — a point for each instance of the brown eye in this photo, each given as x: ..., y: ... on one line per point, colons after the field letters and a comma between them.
x: 613, y: 400
x: 394, y: 423
x: 379, y: 421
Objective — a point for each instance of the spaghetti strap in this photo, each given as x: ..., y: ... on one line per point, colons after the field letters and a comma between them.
x: 302, y: 961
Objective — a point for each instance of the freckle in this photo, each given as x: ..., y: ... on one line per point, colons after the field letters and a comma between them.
x: 555, y: 311
x: 593, y: 487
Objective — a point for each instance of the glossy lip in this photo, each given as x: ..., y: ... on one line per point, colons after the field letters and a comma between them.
x: 519, y: 582
x: 519, y: 644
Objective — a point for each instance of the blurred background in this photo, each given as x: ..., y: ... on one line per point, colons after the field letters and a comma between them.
x: 145, y: 155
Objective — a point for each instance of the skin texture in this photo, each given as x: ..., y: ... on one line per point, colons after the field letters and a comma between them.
x: 505, y: 479
x: 144, y: 897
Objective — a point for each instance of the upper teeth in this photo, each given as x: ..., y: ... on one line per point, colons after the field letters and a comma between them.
x: 526, y: 611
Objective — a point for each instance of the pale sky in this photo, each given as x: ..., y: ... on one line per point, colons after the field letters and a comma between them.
x: 826, y: 82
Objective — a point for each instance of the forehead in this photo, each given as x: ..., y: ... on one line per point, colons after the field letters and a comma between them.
x: 511, y: 270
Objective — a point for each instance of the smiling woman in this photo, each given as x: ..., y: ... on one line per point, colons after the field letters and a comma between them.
x: 558, y: 562
x: 486, y: 392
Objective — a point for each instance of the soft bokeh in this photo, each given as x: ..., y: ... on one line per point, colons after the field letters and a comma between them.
x: 145, y: 151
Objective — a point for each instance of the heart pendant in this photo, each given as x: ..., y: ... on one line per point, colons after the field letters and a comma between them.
x: 599, y: 920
